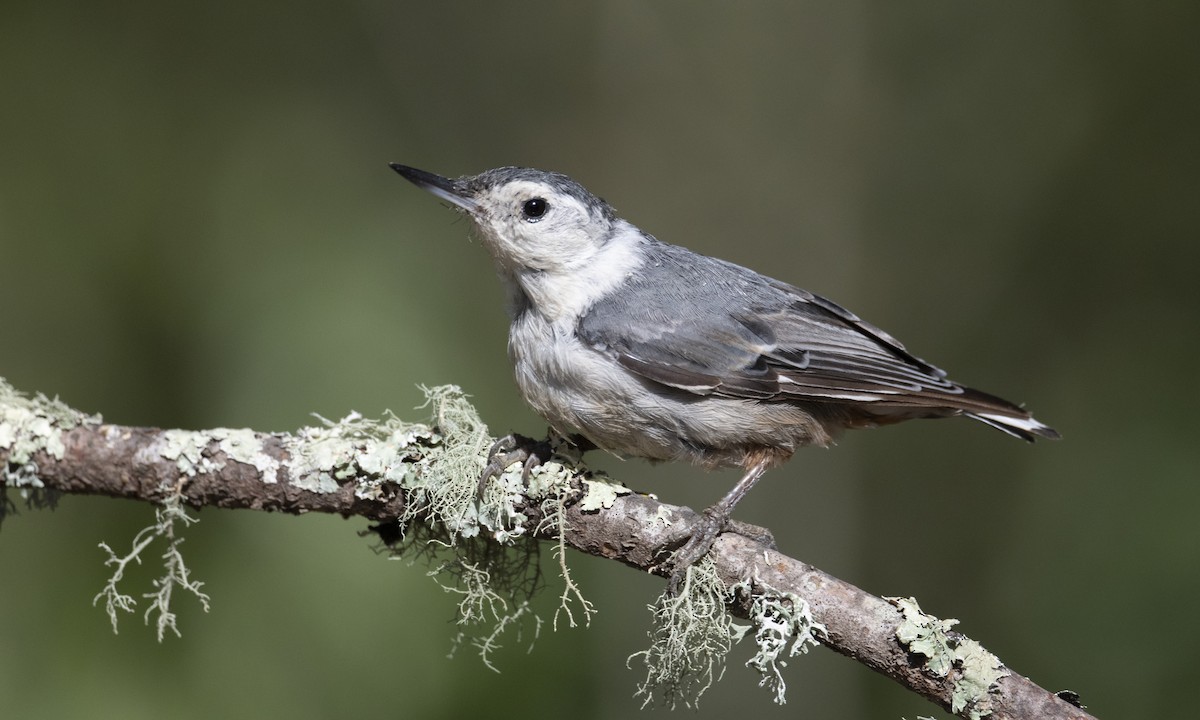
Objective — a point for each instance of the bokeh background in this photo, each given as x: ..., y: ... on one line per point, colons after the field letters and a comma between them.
x: 198, y: 228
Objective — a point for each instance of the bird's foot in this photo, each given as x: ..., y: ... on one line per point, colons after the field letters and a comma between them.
x: 512, y: 449
x: 712, y: 523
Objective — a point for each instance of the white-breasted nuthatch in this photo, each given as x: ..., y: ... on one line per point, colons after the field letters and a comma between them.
x: 653, y: 351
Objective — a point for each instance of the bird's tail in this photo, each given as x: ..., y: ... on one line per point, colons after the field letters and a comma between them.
x: 1005, y: 416
x: 1026, y: 428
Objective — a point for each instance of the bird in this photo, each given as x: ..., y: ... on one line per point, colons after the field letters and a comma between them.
x: 648, y: 349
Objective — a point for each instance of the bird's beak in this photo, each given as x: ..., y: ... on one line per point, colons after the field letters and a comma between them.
x: 449, y: 190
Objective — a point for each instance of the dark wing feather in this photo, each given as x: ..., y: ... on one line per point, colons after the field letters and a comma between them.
x: 713, y: 328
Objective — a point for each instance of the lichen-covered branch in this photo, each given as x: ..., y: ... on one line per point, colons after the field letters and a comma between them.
x: 389, y: 471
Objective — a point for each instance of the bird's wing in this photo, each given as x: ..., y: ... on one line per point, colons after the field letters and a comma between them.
x: 713, y: 328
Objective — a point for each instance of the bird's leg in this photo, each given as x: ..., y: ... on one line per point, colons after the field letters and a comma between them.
x: 712, y: 521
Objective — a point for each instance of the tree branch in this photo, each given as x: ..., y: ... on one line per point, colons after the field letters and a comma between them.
x: 47, y: 446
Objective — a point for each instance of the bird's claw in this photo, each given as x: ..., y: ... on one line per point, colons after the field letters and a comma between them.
x: 757, y: 533
x: 712, y: 523
x: 512, y: 449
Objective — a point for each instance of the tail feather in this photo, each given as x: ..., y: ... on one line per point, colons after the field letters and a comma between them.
x: 1026, y: 427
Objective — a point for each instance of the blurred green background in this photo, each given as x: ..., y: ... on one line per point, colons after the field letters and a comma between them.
x: 198, y: 228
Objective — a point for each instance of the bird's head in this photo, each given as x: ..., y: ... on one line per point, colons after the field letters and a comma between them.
x: 532, y: 221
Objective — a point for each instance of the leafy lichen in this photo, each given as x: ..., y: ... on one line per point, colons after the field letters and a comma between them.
x: 29, y: 426
x: 926, y: 635
x: 601, y: 494
x: 246, y: 446
x: 981, y: 671
x: 782, y: 622
x: 321, y: 456
x: 189, y: 450
x: 186, y: 449
x: 978, y: 671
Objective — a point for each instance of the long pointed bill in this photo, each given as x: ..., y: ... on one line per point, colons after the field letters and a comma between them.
x: 445, y: 188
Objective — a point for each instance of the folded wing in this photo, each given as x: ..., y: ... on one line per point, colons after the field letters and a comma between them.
x: 713, y: 328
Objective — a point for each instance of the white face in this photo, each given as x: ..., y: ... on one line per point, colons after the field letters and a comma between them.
x: 529, y: 225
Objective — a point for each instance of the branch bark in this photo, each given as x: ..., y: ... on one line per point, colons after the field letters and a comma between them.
x: 127, y: 462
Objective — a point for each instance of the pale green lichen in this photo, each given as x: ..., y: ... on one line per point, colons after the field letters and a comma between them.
x: 372, y: 452
x: 487, y: 644
x: 782, y: 622
x: 29, y: 426
x: 694, y: 633
x: 447, y: 508
x: 601, y: 494
x: 925, y: 635
x: 321, y: 456
x: 554, y: 517
x: 186, y: 449
x: 981, y: 671
x: 495, y: 584
x: 395, y: 457
x: 246, y: 446
x: 176, y: 574
x: 446, y: 491
x: 494, y: 512
x: 481, y: 602
x: 978, y: 671
x: 548, y: 480
x: 439, y: 470
x: 691, y: 638
x: 32, y: 425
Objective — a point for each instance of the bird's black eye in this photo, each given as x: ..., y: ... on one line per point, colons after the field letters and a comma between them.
x: 534, y: 208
